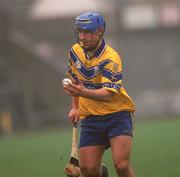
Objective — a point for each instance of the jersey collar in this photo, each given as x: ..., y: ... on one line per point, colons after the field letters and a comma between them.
x: 101, y: 49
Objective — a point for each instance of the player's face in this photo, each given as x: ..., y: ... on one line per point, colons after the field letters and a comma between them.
x: 89, y: 40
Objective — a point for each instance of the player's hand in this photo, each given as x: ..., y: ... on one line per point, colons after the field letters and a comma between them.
x: 72, y: 170
x: 74, y: 115
x: 75, y: 89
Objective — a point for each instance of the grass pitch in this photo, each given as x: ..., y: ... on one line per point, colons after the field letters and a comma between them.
x: 156, y: 151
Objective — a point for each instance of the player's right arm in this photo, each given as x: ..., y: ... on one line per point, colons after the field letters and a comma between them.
x: 74, y: 112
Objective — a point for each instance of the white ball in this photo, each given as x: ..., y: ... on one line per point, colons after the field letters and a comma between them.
x: 66, y: 81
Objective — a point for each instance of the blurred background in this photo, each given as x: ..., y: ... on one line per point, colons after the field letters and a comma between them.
x: 35, y: 36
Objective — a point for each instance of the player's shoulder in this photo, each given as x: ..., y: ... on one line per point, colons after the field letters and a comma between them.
x: 76, y: 47
x: 112, y: 54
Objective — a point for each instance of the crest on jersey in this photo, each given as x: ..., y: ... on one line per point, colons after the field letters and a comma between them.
x: 96, y: 70
x: 78, y: 64
x: 115, y: 67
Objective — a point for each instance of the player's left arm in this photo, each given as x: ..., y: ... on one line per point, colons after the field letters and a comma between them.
x: 111, y: 83
x: 112, y: 74
x: 101, y: 94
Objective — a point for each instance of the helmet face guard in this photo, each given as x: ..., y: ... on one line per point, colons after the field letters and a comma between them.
x: 90, y: 23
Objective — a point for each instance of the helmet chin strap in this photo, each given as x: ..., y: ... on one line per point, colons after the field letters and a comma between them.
x: 90, y: 49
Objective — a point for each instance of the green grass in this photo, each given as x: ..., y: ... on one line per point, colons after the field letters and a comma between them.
x: 156, y: 152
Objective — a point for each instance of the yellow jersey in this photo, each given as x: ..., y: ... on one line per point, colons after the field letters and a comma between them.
x: 103, y: 70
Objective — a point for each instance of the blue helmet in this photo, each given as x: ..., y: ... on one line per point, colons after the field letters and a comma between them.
x: 89, y: 21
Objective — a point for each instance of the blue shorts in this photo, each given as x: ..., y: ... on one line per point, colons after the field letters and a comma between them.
x: 98, y: 130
